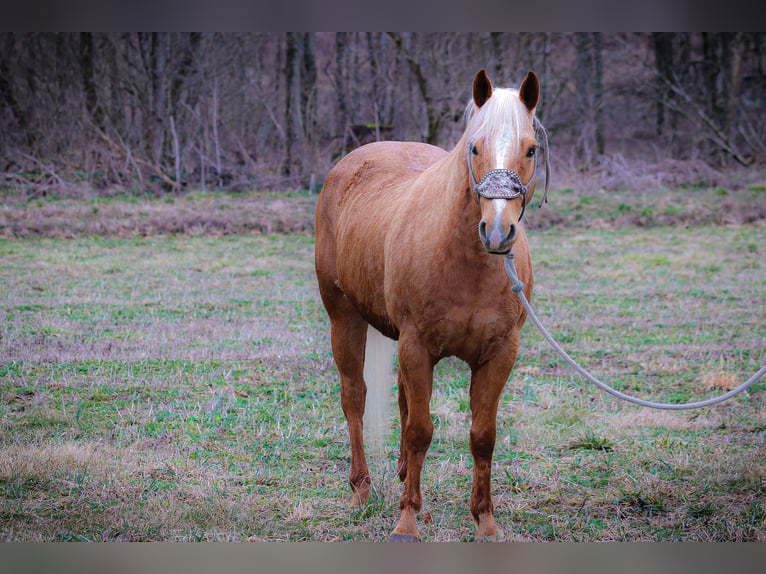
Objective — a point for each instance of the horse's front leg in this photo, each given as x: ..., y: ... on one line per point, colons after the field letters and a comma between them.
x: 416, y: 375
x: 487, y: 382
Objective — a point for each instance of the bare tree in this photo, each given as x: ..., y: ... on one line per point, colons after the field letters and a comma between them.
x: 584, y: 71
x: 263, y: 109
x: 597, y: 85
x: 292, y: 82
x: 341, y: 88
x: 704, y: 91
x: 7, y: 91
x: 662, y: 43
x: 433, y: 115
x: 89, y: 79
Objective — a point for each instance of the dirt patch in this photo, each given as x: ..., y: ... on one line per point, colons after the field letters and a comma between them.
x: 191, y: 215
x: 245, y: 215
x: 615, y: 194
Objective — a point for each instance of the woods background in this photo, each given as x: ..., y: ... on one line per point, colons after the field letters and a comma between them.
x: 87, y: 113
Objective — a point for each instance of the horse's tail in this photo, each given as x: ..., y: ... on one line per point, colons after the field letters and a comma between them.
x: 379, y: 376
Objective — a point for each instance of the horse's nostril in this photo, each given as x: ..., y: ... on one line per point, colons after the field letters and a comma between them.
x: 493, y: 239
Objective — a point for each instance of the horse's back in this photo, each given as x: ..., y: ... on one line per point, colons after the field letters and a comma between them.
x: 375, y: 169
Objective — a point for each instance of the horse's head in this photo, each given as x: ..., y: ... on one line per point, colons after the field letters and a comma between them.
x: 501, y: 152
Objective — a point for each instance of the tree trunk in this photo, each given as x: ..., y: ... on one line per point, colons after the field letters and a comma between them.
x: 598, y: 92
x: 88, y: 79
x: 546, y: 77
x: 292, y: 83
x: 722, y: 70
x: 184, y: 73
x: 735, y: 80
x: 308, y: 87
x: 712, y: 66
x: 341, y: 90
x: 7, y: 92
x: 662, y: 42
x: 159, y: 55
x: 498, y: 51
x: 583, y: 71
x: 434, y: 120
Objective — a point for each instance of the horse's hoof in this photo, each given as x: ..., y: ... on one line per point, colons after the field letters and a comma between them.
x: 359, y: 499
x: 496, y: 537
x: 403, y: 538
x: 490, y: 535
x: 487, y: 530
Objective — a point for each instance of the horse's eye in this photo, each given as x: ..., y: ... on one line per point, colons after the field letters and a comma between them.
x: 474, y: 151
x: 531, y: 151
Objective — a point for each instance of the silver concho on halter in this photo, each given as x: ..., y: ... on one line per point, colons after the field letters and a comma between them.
x: 499, y: 184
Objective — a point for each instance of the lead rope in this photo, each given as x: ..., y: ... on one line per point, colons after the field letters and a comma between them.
x: 518, y: 288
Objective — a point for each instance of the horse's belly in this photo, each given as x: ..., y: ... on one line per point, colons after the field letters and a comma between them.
x: 361, y: 268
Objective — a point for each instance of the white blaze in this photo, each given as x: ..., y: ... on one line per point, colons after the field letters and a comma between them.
x: 502, y: 148
x: 496, y: 233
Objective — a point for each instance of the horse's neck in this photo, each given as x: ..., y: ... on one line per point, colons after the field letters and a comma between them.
x: 460, y: 205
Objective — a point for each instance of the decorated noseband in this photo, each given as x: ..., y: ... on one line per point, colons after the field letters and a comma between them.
x: 499, y: 184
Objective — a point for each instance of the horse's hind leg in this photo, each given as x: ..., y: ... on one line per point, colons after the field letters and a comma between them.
x: 349, y: 336
x: 348, y: 332
x: 403, y: 410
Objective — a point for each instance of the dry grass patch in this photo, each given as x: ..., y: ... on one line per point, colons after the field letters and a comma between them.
x: 720, y: 381
x: 193, y: 214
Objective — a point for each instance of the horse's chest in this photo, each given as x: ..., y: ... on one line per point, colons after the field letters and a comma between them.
x: 469, y: 332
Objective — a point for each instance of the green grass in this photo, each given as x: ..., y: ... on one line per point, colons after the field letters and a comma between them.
x: 182, y: 388
x: 614, y: 209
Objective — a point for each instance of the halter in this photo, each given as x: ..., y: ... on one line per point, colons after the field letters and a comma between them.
x: 499, y: 184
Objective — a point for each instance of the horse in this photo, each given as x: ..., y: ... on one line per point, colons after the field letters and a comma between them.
x: 410, y: 241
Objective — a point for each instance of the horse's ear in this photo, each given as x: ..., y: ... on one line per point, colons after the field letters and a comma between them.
x: 529, y: 92
x: 482, y: 88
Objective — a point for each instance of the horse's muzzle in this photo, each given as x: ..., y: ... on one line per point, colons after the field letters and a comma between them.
x: 496, y: 240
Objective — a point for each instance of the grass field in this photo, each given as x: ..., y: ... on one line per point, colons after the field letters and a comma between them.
x: 182, y: 388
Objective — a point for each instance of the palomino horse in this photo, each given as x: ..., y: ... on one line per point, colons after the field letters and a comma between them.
x: 409, y: 240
